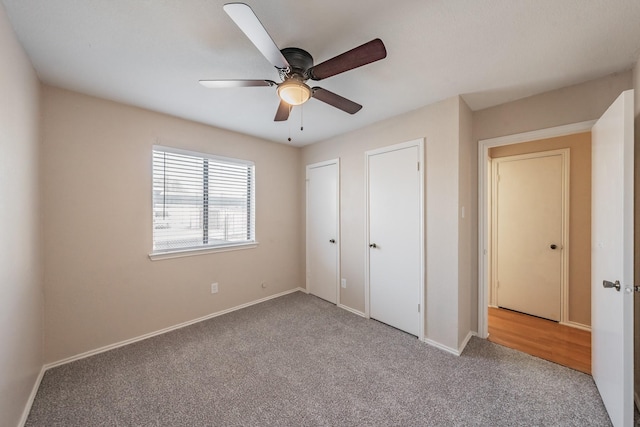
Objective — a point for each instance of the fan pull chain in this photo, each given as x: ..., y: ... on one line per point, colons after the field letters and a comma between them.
x: 289, y: 125
x: 301, y: 117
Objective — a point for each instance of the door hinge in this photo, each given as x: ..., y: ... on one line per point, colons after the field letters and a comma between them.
x: 418, y: 308
x: 418, y: 165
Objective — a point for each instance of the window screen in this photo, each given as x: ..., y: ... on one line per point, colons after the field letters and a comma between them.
x: 200, y: 200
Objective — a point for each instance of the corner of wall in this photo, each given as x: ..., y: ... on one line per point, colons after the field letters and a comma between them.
x: 467, y: 224
x: 22, y: 302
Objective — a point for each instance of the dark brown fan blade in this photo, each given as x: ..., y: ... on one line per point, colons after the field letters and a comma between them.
x: 283, y: 112
x: 248, y: 22
x: 216, y: 84
x: 335, y: 100
x: 354, y: 58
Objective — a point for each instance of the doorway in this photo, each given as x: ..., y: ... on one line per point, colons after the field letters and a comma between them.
x: 323, y: 230
x: 570, y: 330
x: 611, y: 248
x: 577, y: 139
x: 394, y: 272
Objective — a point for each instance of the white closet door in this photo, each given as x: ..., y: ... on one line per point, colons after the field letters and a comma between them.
x: 394, y: 210
x: 323, y: 230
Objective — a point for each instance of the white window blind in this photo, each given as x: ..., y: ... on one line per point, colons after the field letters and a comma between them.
x: 201, y: 200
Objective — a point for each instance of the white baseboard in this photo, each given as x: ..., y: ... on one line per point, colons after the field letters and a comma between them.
x: 466, y: 341
x: 441, y: 346
x: 165, y: 330
x: 32, y: 397
x: 456, y: 352
x: 352, y: 310
x: 577, y: 325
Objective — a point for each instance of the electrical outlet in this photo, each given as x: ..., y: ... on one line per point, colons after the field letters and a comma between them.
x: 214, y: 288
x: 343, y: 283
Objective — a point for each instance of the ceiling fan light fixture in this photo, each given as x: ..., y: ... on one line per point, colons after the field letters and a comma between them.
x: 294, y: 92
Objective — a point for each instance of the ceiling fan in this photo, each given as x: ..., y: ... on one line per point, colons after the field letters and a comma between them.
x: 295, y: 66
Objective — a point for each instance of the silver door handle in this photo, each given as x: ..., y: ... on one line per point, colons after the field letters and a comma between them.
x: 607, y: 284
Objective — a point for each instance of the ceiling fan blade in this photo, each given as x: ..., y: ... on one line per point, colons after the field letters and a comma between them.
x: 216, y: 84
x: 335, y: 100
x: 354, y: 58
x: 250, y: 25
x: 283, y: 112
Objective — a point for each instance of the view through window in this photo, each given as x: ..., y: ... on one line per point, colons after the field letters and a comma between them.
x: 201, y: 200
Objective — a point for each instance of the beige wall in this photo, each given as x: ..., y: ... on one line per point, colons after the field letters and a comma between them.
x: 439, y: 124
x: 572, y: 104
x: 101, y: 287
x: 21, y: 295
x: 579, y: 214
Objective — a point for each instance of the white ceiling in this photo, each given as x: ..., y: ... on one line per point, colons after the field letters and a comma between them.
x: 151, y: 53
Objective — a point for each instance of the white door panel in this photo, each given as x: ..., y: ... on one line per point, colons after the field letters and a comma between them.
x: 612, y: 259
x: 323, y: 230
x: 528, y: 223
x: 395, y: 269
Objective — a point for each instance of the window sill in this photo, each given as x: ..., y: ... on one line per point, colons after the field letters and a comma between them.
x: 181, y: 253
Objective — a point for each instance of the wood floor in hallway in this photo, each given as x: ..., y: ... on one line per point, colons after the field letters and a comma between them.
x: 543, y: 338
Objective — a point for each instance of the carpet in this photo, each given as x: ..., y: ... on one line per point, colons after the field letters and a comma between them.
x: 300, y: 361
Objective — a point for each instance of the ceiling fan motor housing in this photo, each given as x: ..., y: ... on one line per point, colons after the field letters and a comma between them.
x: 300, y: 61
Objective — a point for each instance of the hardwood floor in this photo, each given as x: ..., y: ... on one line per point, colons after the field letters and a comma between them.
x: 543, y: 338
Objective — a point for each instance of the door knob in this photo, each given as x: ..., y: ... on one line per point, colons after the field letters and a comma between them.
x: 553, y: 246
x: 607, y: 284
x: 332, y: 241
x: 373, y: 245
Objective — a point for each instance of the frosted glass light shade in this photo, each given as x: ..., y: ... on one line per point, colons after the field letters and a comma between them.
x: 294, y: 92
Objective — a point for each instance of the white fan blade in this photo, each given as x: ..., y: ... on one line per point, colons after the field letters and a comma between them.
x: 250, y: 25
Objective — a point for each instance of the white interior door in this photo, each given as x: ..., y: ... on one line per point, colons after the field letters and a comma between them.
x: 323, y: 230
x: 612, y: 259
x: 395, y: 236
x: 528, y: 224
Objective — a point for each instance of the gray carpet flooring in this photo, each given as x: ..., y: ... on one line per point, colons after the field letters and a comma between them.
x: 300, y: 361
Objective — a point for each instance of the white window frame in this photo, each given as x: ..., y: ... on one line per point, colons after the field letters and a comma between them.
x: 205, y: 249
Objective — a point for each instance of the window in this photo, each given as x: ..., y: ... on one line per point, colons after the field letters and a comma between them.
x: 201, y: 201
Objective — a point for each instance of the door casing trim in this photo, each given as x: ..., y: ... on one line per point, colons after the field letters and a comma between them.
x: 484, y: 179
